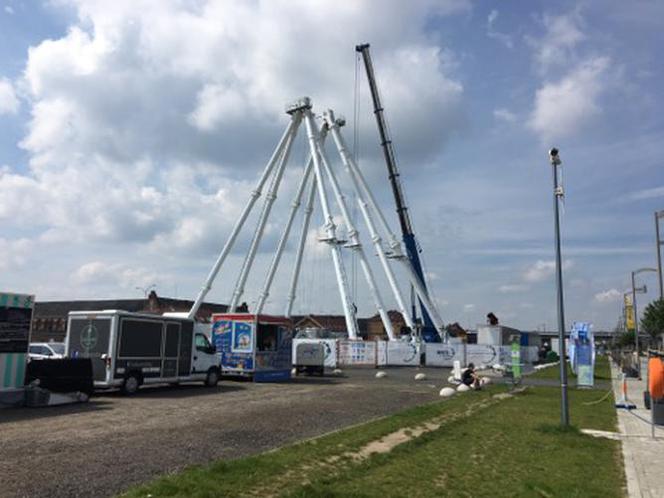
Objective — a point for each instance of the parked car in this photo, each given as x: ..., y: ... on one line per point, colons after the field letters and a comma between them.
x: 46, y: 350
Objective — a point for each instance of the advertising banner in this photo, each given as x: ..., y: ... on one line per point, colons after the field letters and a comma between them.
x: 482, y: 354
x: 402, y: 353
x: 224, y: 338
x: 582, y: 353
x: 243, y: 337
x: 359, y: 353
x: 15, y: 321
x: 629, y: 313
x: 444, y: 355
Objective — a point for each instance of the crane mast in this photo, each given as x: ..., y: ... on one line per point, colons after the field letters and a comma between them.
x: 429, y: 332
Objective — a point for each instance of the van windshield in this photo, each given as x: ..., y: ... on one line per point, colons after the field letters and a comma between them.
x: 57, y: 348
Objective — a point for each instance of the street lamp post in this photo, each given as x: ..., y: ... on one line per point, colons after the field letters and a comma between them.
x: 658, y: 215
x: 636, y: 315
x: 555, y: 161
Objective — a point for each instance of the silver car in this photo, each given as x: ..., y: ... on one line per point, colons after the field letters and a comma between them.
x: 46, y: 350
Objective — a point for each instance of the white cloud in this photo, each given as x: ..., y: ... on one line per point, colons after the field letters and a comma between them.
x: 563, y: 108
x: 542, y: 270
x: 9, y: 103
x: 608, y: 296
x: 13, y: 252
x: 491, y: 32
x: 468, y: 307
x: 556, y: 47
x: 140, y: 132
x: 510, y: 288
x: 648, y: 193
x: 9, y: 10
x: 503, y: 114
x: 98, y: 273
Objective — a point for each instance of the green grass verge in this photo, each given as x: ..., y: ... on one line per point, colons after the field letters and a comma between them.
x: 602, y: 371
x: 512, y: 447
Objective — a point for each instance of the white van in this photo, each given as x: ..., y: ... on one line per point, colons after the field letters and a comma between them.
x: 131, y: 349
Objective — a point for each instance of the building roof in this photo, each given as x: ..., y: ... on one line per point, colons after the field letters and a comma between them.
x: 150, y: 304
x: 333, y: 323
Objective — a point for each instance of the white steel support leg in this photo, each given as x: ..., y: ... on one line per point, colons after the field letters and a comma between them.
x: 423, y: 295
x: 375, y: 237
x: 308, y: 209
x: 395, y: 247
x: 284, y: 236
x: 330, y: 229
x: 282, y: 241
x: 265, y: 213
x: 356, y: 245
x: 255, y: 194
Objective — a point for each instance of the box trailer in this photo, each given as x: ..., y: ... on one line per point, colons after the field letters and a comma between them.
x: 131, y: 349
x: 258, y: 346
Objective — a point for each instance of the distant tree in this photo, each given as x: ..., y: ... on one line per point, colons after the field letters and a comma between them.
x: 626, y: 339
x: 653, y: 319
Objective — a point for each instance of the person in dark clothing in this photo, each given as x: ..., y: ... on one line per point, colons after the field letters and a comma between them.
x: 470, y: 377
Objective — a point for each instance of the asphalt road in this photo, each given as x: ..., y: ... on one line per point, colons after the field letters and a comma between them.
x: 113, y: 442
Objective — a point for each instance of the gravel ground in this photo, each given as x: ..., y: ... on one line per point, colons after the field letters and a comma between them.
x: 113, y: 442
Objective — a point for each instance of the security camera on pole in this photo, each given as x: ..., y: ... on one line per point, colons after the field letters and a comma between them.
x: 558, y: 194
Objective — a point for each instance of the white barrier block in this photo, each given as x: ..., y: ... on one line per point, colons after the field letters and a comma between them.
x: 452, y: 380
x: 484, y: 381
x: 463, y: 388
x: 446, y: 392
x: 420, y: 376
x: 380, y: 375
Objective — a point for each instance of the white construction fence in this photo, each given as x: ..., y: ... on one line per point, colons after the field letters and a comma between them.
x: 347, y: 353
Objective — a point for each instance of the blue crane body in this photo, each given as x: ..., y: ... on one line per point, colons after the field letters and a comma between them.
x: 428, y: 331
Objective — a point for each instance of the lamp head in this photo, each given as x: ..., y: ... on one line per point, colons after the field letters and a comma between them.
x: 554, y: 157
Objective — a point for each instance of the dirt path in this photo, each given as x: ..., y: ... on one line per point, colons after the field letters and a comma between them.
x: 102, y: 448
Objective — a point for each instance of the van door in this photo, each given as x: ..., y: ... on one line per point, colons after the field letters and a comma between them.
x: 171, y: 351
x: 89, y: 338
x: 204, y: 355
x: 186, y: 339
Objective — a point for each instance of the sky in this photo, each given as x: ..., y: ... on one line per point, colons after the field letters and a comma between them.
x: 132, y: 133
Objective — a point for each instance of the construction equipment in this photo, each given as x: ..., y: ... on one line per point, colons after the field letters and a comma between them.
x: 317, y: 178
x: 429, y: 331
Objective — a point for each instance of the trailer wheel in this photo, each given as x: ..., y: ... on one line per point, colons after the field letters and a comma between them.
x: 131, y: 384
x: 212, y: 378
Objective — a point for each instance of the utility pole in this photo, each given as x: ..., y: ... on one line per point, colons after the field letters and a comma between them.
x: 658, y: 215
x: 641, y: 290
x: 558, y: 193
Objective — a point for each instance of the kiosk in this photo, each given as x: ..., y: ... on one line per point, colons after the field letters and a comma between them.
x: 258, y: 346
x: 15, y: 321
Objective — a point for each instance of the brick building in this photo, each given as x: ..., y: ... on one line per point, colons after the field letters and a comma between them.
x: 49, y: 318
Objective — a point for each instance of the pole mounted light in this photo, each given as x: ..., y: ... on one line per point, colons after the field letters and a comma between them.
x: 558, y: 193
x: 658, y: 216
x: 641, y: 290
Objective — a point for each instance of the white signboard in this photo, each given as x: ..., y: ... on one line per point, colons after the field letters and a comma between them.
x: 444, y: 355
x: 482, y: 354
x: 330, y: 349
x: 403, y: 354
x: 381, y: 353
x: 359, y: 353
